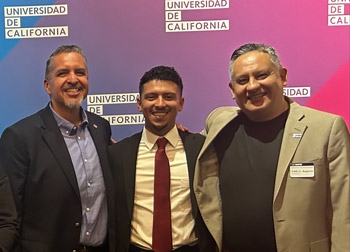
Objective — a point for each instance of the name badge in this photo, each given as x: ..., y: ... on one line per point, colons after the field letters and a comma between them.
x: 302, y: 170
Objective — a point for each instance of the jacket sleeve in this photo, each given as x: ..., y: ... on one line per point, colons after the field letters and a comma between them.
x: 8, y: 223
x: 13, y: 160
x: 339, y: 172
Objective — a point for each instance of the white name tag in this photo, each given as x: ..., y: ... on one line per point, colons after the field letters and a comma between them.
x: 302, y: 170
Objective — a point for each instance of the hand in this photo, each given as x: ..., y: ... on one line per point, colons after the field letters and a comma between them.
x: 181, y: 127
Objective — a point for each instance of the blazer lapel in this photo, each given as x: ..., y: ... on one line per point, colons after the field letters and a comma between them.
x: 190, y: 149
x: 293, y: 133
x: 100, y: 144
x: 57, y: 145
x: 129, y: 170
x: 192, y: 146
x: 216, y: 126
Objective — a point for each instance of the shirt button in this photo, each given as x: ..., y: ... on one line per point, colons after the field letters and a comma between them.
x: 87, y: 209
x: 85, y: 160
x: 87, y: 233
x: 79, y: 137
x: 89, y: 184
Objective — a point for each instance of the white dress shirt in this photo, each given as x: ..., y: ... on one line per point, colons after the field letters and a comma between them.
x: 181, y: 211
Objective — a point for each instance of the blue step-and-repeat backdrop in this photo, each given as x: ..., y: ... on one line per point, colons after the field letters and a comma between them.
x: 123, y: 39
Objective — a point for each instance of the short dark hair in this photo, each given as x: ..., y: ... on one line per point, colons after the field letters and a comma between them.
x: 249, y: 47
x: 164, y: 73
x: 63, y: 49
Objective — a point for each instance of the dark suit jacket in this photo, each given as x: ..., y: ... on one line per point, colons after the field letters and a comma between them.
x: 122, y: 157
x: 8, y: 224
x: 36, y: 159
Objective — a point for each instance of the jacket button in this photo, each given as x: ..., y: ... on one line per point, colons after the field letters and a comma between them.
x: 77, y: 224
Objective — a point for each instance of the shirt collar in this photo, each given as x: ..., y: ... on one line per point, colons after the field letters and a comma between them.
x: 67, y: 127
x: 150, y: 139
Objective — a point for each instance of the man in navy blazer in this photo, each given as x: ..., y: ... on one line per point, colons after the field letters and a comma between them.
x: 57, y: 164
x: 132, y: 164
x: 8, y: 224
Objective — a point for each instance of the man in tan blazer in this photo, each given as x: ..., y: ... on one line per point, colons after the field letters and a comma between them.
x: 275, y: 174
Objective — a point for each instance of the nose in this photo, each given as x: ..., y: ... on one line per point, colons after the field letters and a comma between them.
x: 160, y: 102
x: 253, y: 84
x: 72, y: 78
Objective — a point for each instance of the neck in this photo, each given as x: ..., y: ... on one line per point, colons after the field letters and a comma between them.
x: 70, y: 114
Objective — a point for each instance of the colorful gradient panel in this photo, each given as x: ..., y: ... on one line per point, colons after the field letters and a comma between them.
x: 123, y: 39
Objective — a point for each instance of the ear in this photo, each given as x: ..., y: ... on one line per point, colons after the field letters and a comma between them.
x: 181, y: 104
x: 139, y: 105
x: 47, y: 87
x: 283, y: 74
x: 232, y: 90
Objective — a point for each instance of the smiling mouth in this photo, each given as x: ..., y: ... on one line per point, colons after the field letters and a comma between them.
x: 159, y: 113
x: 256, y: 96
x: 72, y: 90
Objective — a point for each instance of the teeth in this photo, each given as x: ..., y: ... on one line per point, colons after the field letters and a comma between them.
x: 72, y: 90
x: 256, y: 96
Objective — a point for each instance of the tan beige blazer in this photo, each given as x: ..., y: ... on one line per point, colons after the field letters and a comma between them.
x: 310, y: 213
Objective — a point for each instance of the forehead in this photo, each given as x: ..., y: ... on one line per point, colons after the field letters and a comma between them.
x: 68, y: 59
x: 252, y: 59
x: 160, y: 86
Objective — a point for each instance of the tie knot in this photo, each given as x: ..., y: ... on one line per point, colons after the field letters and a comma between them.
x: 161, y: 142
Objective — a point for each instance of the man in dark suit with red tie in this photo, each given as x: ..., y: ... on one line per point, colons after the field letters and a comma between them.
x: 135, y: 167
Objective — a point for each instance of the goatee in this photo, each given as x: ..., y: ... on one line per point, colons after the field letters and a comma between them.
x: 73, y: 105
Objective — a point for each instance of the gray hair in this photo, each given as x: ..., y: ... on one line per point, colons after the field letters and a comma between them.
x: 249, y: 47
x: 63, y: 49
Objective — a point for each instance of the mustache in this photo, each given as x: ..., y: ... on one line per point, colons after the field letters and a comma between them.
x: 73, y: 85
x: 160, y: 110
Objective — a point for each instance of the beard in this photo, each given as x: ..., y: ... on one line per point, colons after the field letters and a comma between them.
x: 74, y: 105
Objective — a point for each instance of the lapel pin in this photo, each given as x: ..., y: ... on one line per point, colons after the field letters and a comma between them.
x: 296, y: 135
x: 95, y: 126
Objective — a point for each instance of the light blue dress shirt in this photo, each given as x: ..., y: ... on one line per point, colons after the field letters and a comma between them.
x: 90, y: 180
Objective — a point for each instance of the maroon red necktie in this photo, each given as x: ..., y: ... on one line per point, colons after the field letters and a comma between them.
x: 161, y: 234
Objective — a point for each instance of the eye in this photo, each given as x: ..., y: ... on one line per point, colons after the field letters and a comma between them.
x: 169, y: 97
x: 150, y: 97
x: 61, y: 73
x: 80, y: 72
x: 242, y: 81
x: 262, y: 76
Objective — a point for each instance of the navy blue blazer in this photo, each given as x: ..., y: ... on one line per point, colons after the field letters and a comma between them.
x: 34, y: 154
x: 8, y: 224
